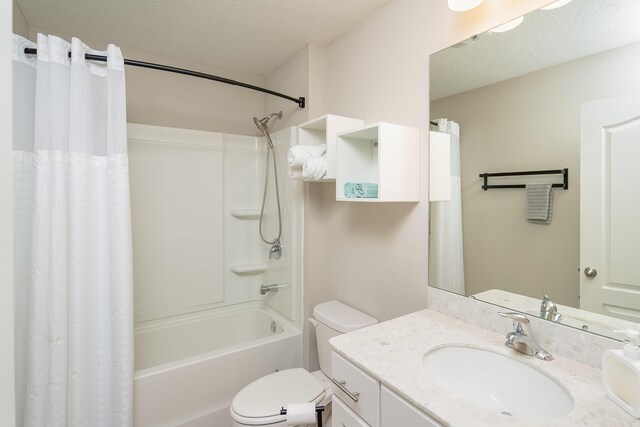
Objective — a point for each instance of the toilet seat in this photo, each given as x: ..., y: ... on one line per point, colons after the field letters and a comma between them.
x: 260, y: 402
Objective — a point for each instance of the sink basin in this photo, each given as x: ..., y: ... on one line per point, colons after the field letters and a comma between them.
x: 497, y: 383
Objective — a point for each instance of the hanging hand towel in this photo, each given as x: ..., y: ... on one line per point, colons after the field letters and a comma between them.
x: 299, y: 153
x: 361, y: 190
x: 539, y: 203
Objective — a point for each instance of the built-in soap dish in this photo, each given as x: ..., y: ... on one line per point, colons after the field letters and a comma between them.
x: 249, y: 269
x: 245, y: 213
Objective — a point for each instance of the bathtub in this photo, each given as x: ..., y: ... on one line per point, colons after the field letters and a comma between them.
x: 188, y: 368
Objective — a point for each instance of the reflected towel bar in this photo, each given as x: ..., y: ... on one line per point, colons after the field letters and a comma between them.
x: 564, y: 172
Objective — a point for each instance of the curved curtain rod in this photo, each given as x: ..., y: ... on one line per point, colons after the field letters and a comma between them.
x: 91, y: 57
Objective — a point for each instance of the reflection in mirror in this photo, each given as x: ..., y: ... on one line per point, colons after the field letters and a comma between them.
x: 561, y: 90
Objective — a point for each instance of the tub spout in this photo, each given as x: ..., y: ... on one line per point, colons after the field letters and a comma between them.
x: 264, y: 289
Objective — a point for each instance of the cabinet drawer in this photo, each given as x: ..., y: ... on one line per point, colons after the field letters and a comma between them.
x: 343, y: 416
x: 356, y: 389
x: 398, y: 412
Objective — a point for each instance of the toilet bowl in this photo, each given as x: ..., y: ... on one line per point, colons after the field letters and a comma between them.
x: 259, y: 403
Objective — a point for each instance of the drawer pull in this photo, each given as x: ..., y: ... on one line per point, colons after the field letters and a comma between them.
x: 342, y: 386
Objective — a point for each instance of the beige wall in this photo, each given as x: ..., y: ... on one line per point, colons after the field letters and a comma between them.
x: 290, y: 78
x: 167, y: 99
x: 528, y: 123
x: 7, y: 397
x: 374, y: 256
x: 20, y: 25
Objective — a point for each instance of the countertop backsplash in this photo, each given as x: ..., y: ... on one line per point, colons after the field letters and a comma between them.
x: 583, y: 347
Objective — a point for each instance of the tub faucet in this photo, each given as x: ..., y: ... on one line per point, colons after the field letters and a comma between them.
x: 549, y: 310
x: 264, y: 289
x: 522, y: 338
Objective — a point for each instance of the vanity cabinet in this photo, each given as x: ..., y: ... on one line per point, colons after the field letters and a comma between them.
x: 358, y: 390
x: 360, y: 401
x: 343, y: 416
x: 395, y: 411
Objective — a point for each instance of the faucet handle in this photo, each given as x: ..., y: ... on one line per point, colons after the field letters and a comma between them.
x: 520, y: 322
x: 516, y: 317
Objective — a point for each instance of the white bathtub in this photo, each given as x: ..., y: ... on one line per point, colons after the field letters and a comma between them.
x: 188, y: 368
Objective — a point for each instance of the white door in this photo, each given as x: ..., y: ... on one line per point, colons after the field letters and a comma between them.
x: 610, y: 207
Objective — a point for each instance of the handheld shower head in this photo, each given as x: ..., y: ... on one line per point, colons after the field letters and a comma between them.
x: 262, y: 124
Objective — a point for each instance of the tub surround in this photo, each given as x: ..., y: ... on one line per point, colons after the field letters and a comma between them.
x: 392, y: 352
x: 179, y: 374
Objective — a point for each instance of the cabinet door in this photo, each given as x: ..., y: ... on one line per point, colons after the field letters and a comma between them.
x: 343, y: 416
x: 395, y: 411
x: 362, y: 391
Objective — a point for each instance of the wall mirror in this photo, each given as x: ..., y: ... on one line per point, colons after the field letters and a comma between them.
x: 560, y: 91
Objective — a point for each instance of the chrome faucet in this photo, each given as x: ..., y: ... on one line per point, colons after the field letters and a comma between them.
x: 522, y: 338
x: 549, y: 310
x: 264, y: 289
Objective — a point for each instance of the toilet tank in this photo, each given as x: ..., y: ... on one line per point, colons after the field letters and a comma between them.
x: 335, y: 318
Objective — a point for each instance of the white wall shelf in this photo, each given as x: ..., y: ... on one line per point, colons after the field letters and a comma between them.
x: 382, y: 153
x: 323, y: 130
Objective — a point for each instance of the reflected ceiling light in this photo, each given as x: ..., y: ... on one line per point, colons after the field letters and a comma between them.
x: 556, y: 4
x: 462, y: 5
x: 508, y: 26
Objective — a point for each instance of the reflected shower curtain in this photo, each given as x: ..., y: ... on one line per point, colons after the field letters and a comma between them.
x: 73, y: 264
x: 446, y: 263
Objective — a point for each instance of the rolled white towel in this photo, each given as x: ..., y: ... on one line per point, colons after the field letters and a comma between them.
x: 314, y: 168
x: 299, y: 153
x: 296, y: 173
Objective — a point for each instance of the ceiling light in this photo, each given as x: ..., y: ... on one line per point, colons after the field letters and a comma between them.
x: 556, y: 4
x: 463, y: 5
x: 508, y: 26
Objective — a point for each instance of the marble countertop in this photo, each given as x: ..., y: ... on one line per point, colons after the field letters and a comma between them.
x: 392, y: 352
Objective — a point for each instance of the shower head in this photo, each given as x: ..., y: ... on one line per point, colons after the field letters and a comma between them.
x: 261, y: 124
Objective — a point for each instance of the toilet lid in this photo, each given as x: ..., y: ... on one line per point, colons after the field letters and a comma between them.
x: 267, y: 395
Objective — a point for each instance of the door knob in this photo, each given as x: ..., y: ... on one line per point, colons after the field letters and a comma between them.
x: 590, y: 272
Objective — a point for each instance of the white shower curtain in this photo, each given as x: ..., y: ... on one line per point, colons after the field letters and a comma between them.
x: 73, y: 264
x: 446, y: 263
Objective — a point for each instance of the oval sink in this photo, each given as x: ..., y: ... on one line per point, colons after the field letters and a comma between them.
x: 497, y: 383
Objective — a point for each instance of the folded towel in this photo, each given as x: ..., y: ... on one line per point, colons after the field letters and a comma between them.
x: 299, y: 153
x: 314, y: 168
x: 539, y: 203
x: 364, y: 190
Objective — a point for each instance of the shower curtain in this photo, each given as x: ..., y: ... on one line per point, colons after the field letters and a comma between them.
x: 446, y: 263
x: 73, y: 264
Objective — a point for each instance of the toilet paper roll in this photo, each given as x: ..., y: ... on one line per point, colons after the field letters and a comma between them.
x: 301, y: 413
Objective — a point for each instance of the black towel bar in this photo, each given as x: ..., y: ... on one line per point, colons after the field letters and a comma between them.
x: 564, y: 172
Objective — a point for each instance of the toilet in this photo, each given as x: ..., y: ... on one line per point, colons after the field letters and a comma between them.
x: 259, y: 403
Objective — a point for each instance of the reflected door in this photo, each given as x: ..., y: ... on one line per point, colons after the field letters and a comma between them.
x: 610, y: 207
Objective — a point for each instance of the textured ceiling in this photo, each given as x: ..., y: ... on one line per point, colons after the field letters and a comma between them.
x: 253, y: 36
x: 544, y: 39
